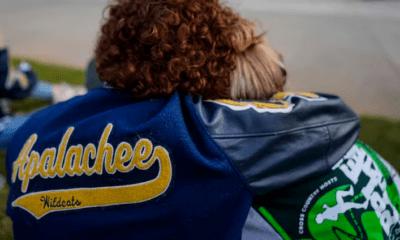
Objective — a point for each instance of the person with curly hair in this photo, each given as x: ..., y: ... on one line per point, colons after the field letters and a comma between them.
x: 193, y: 138
x: 155, y: 48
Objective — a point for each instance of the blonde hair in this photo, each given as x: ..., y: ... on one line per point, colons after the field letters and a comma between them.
x: 260, y: 72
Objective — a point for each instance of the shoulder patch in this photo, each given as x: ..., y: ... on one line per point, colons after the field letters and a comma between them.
x: 304, y: 95
x: 278, y: 104
x: 273, y: 106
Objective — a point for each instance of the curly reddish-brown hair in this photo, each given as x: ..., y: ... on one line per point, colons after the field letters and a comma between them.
x: 152, y: 48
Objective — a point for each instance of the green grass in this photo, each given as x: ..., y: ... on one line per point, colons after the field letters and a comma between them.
x: 54, y: 73
x: 5, y: 222
x: 382, y: 134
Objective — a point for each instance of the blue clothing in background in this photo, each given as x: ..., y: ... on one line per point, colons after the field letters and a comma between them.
x: 42, y: 90
x: 8, y: 126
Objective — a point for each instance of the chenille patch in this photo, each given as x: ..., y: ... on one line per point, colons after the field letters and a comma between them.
x: 69, y: 161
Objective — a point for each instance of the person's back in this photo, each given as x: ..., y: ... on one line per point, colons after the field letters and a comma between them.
x: 148, y: 169
x: 122, y: 169
x: 166, y: 168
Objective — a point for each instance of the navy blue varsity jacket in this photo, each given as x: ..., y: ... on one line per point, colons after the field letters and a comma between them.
x: 102, y: 166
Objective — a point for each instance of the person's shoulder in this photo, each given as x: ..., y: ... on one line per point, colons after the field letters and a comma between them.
x: 97, y: 106
x: 73, y: 110
x: 286, y: 111
x: 301, y: 134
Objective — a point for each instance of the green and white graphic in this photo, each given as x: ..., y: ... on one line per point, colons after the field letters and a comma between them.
x: 366, y: 207
x: 357, y: 200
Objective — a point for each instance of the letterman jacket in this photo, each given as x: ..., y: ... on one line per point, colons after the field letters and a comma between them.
x: 102, y: 166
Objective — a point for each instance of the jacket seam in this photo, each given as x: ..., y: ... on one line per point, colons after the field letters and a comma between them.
x: 330, y: 166
x: 233, y: 165
x: 329, y: 148
x: 240, y: 135
x: 325, y: 158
